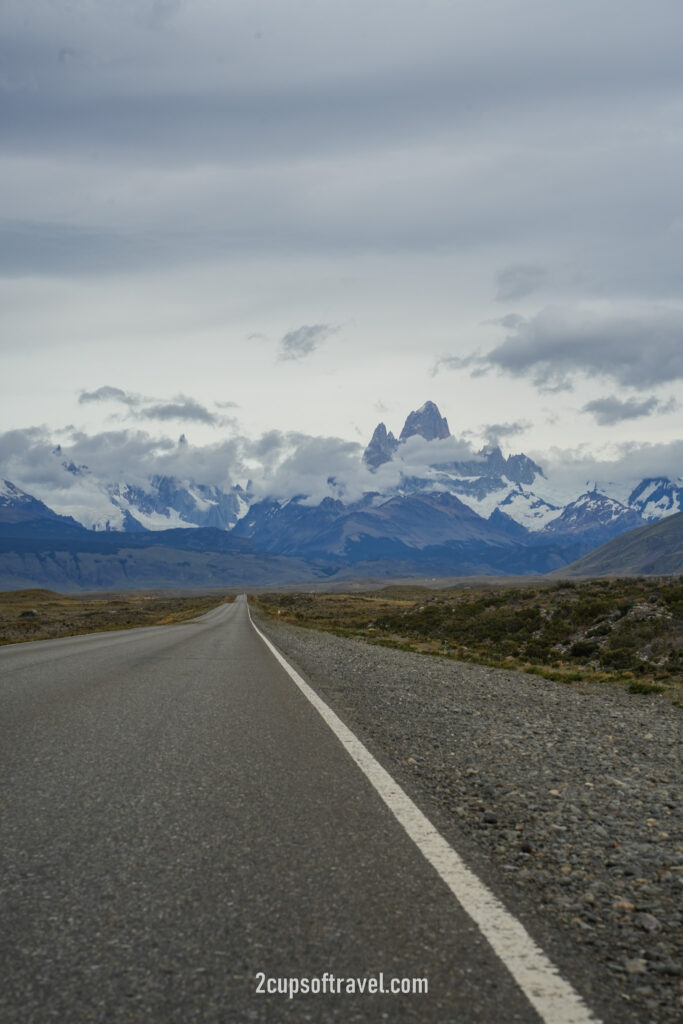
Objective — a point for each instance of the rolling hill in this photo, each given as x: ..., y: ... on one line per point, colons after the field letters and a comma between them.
x: 652, y: 550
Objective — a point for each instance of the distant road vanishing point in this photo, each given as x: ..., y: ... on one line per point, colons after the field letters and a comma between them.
x: 183, y: 834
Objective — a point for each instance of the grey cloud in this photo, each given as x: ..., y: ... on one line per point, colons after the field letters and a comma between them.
x: 495, y: 432
x: 272, y: 442
x: 107, y: 393
x: 29, y: 458
x: 321, y: 87
x: 640, y: 347
x: 318, y: 467
x: 283, y: 464
x: 612, y: 410
x: 280, y: 464
x: 456, y: 363
x: 517, y: 281
x: 510, y: 320
x: 179, y: 408
x: 183, y: 409
x: 304, y: 340
x: 298, y: 116
x: 571, y: 469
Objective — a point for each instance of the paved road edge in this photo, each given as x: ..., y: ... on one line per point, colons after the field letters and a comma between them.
x: 553, y: 998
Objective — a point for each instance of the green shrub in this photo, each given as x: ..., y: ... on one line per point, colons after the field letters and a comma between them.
x: 636, y: 687
x: 621, y: 658
x: 588, y: 609
x: 602, y: 629
x: 583, y: 649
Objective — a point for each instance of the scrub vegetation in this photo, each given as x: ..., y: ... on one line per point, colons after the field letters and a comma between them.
x: 43, y: 614
x: 626, y: 631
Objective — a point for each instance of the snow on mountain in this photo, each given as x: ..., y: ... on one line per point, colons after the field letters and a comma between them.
x: 243, y: 505
x: 487, y: 481
x: 510, y: 492
x: 10, y: 494
x: 522, y: 506
x: 168, y: 503
x: 17, y: 506
x: 657, y: 497
x: 595, y: 513
x: 484, y: 481
x: 159, y: 503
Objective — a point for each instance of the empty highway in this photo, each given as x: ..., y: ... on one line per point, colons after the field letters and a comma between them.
x: 180, y: 827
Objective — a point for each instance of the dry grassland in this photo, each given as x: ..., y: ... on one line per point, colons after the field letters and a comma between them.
x: 43, y: 614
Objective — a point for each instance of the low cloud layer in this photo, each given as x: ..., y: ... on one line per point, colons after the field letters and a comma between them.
x: 571, y: 472
x: 71, y: 470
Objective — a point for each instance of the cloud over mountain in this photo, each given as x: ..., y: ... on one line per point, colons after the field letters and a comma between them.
x: 77, y: 472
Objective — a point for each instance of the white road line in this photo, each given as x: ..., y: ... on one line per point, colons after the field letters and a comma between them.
x: 553, y: 998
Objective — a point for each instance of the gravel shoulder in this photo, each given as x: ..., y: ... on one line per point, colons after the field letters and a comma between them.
x: 565, y: 797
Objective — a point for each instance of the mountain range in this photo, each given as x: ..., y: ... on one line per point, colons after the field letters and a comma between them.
x: 431, y: 506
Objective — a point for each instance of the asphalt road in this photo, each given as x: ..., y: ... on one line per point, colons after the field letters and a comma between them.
x: 177, y: 818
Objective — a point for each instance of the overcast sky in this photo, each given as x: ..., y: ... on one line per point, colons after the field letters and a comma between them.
x: 225, y: 218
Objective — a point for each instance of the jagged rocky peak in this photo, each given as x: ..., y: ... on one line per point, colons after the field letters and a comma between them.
x: 382, y: 446
x: 493, y: 458
x: 522, y: 470
x: 519, y: 469
x: 656, y: 497
x: 427, y: 422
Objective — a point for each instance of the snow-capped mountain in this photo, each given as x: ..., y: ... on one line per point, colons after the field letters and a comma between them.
x: 595, y: 515
x: 517, y: 487
x: 22, y: 514
x: 167, y: 503
x: 657, y: 497
x: 427, y: 499
x: 16, y: 506
x: 161, y: 502
x: 484, y: 482
x: 436, y: 501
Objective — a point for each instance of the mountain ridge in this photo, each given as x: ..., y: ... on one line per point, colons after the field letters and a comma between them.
x: 654, y: 549
x: 436, y: 504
